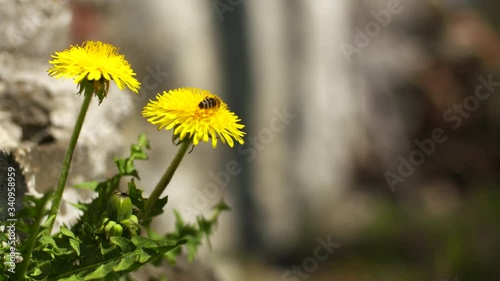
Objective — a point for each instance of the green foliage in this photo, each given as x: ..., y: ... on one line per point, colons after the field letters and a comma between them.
x: 193, y: 233
x: 112, y: 237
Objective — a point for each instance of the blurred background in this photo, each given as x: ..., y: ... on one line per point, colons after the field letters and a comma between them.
x: 371, y: 147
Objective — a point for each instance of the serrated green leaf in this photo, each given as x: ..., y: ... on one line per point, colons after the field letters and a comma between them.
x: 110, y: 259
x: 143, y: 141
x: 159, y: 206
x: 170, y: 243
x: 101, y: 271
x: 179, y: 221
x: 125, y: 263
x: 65, y: 231
x: 126, y: 167
x: 136, y: 195
x: 144, y: 242
x: 121, y: 242
x: 104, y: 250
x: 205, y: 225
x: 137, y: 151
x: 97, y: 207
x: 75, y: 245
x: 192, y: 246
x: 143, y: 256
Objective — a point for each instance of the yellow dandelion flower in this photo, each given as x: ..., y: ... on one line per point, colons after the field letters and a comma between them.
x: 195, y: 114
x: 93, y: 65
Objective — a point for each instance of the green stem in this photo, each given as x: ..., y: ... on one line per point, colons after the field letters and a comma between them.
x: 67, y: 158
x: 165, y: 179
x: 30, y: 244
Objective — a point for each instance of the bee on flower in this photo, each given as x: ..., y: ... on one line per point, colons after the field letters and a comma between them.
x: 195, y: 114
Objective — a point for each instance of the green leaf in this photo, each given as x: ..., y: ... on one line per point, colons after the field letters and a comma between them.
x: 65, y: 231
x: 88, y: 229
x: 144, y: 242
x: 143, y: 256
x: 75, y: 245
x: 46, y: 240
x: 71, y: 278
x: 172, y: 246
x: 192, y: 246
x: 125, y: 263
x: 47, y: 223
x: 90, y: 185
x: 113, y: 257
x: 105, y: 251
x: 158, y: 206
x: 126, y: 167
x: 136, y: 195
x: 179, y: 221
x: 98, y: 206
x: 205, y: 225
x: 36, y: 272
x: 101, y: 271
x: 79, y: 206
x: 143, y: 141
x: 137, y: 152
x: 121, y: 242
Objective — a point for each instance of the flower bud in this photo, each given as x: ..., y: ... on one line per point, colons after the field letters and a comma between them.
x: 119, y: 207
x: 116, y: 230
x: 107, y: 228
x: 134, y: 219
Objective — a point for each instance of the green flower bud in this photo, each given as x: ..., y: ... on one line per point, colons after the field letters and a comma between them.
x: 119, y: 207
x: 108, y: 226
x: 134, y: 219
x: 117, y: 230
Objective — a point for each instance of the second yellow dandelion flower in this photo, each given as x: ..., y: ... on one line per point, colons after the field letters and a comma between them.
x: 195, y: 114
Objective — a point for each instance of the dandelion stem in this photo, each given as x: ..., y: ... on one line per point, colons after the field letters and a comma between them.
x: 69, y: 156
x: 165, y: 179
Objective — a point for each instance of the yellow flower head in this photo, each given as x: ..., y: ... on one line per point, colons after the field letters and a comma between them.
x: 195, y: 114
x: 93, y: 65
